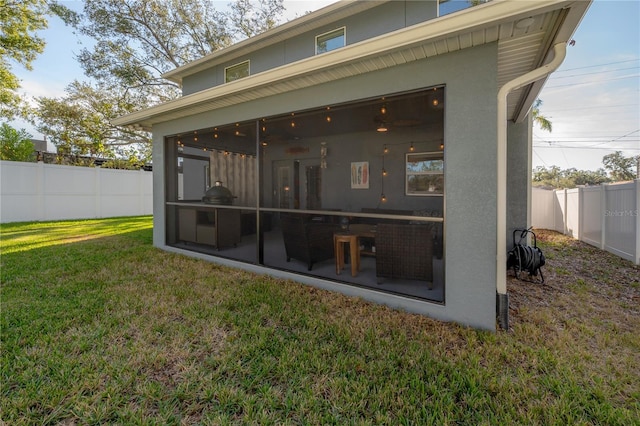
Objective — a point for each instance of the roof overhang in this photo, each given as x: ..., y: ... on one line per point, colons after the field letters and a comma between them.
x: 524, y: 30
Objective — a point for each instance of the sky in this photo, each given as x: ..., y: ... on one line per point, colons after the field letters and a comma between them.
x: 592, y: 100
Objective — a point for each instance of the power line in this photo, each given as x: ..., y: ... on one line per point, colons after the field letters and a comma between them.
x: 590, y: 107
x: 585, y: 141
x: 600, y: 65
x: 628, y: 134
x: 616, y: 139
x: 602, y: 148
x: 592, y: 73
x: 565, y: 157
x: 538, y: 155
x: 594, y: 82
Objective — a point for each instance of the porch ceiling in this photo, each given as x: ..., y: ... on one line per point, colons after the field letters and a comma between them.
x: 524, y: 31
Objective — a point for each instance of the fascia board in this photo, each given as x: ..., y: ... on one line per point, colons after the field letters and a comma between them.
x: 475, y: 18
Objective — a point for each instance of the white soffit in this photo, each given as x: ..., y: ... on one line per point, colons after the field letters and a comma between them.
x: 520, y: 49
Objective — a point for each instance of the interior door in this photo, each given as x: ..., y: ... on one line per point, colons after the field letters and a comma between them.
x: 313, y: 184
x: 297, y: 184
x: 282, y: 185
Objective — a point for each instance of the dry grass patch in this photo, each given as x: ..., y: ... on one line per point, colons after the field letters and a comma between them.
x: 587, y: 314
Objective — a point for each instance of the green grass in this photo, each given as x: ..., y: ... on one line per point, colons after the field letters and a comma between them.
x: 99, y: 327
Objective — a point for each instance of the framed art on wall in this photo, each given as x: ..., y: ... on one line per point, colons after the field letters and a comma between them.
x: 360, y: 175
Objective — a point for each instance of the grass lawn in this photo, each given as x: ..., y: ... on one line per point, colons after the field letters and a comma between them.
x: 100, y: 327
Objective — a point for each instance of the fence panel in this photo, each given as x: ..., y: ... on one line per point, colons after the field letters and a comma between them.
x: 573, y: 213
x: 68, y: 192
x: 620, y: 220
x: 542, y: 209
x: 592, y: 216
x: 39, y: 192
x: 605, y: 216
x: 559, y: 210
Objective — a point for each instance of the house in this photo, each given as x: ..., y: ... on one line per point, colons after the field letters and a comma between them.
x: 373, y: 148
x: 39, y: 145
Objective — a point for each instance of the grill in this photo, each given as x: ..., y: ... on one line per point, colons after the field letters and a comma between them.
x: 218, y: 194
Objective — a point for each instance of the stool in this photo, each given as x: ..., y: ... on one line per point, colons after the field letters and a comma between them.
x: 354, y: 252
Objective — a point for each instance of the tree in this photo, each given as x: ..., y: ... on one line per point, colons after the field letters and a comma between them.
x: 15, y: 145
x: 136, y: 42
x: 80, y: 123
x: 19, y: 19
x: 139, y: 40
x: 247, y: 20
x: 555, y: 178
x: 540, y: 119
x: 587, y: 177
x: 620, y: 168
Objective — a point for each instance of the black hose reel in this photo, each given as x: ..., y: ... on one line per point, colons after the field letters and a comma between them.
x: 523, y: 257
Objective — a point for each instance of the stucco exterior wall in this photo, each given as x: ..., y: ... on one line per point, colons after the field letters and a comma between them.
x: 470, y: 168
x: 386, y: 18
x: 518, y: 177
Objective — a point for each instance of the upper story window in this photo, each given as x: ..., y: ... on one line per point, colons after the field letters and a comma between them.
x: 330, y: 41
x: 237, y: 71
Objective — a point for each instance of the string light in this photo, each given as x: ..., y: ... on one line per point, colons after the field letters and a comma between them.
x: 383, y: 198
x: 411, y: 148
x: 385, y: 150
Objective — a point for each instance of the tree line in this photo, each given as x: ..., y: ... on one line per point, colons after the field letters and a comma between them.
x: 616, y: 168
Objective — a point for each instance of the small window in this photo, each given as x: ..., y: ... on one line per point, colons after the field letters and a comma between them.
x: 425, y: 174
x: 330, y: 41
x: 236, y: 72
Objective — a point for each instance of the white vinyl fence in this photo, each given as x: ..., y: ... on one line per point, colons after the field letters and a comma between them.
x: 41, y: 192
x: 604, y: 216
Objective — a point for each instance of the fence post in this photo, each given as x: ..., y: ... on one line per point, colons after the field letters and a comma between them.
x: 565, y: 215
x: 603, y: 215
x: 98, y: 192
x: 40, y: 180
x: 580, y: 212
x: 141, y: 191
x: 637, y: 215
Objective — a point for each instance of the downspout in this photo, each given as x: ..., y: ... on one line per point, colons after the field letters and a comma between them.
x: 559, y: 53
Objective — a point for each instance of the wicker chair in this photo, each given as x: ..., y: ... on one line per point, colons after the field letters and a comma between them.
x: 306, y: 240
x: 404, y: 251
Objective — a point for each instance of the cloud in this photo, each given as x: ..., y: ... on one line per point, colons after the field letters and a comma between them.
x: 35, y: 88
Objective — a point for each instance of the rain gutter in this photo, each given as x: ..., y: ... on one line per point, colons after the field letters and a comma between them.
x: 559, y: 52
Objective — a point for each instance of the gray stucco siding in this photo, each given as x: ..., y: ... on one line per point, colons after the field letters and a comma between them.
x: 470, y: 186
x: 470, y: 164
x: 159, y: 196
x: 380, y: 20
x: 518, y: 176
